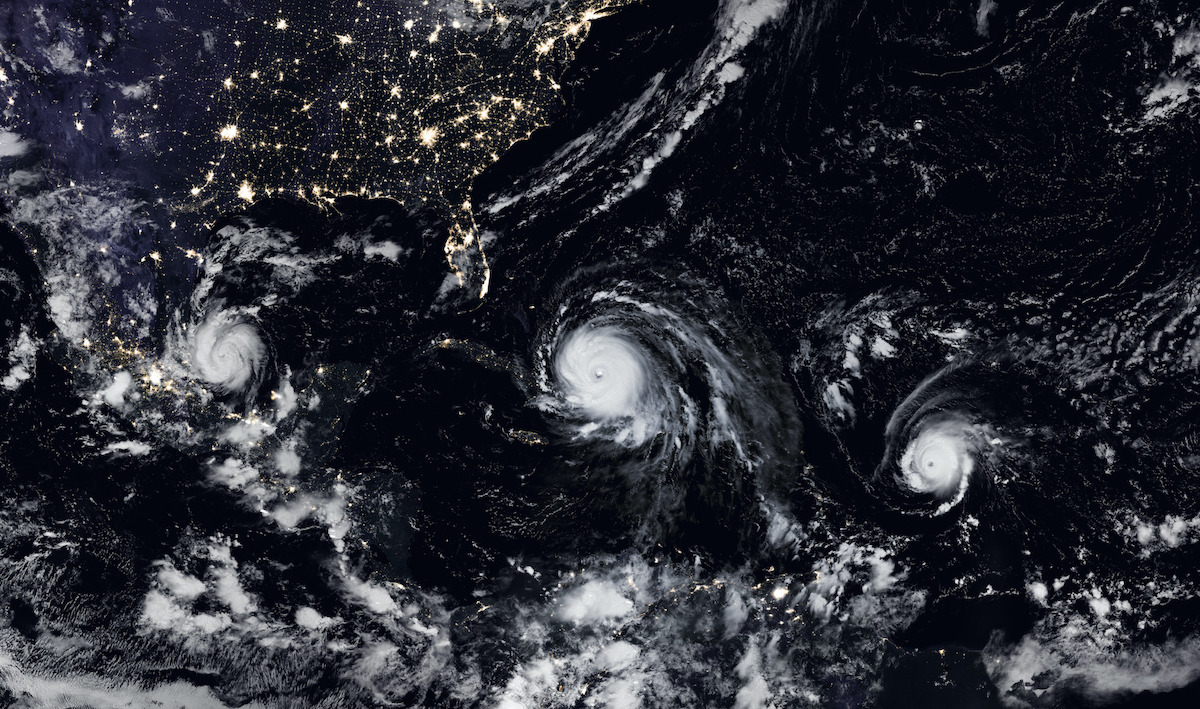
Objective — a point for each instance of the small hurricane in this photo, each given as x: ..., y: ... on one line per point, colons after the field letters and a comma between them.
x: 939, y: 460
x: 936, y: 440
x: 228, y: 353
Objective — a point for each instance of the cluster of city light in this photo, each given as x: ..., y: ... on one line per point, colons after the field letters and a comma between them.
x: 411, y: 103
x: 422, y: 98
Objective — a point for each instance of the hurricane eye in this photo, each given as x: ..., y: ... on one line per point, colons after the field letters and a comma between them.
x: 938, y: 459
x: 602, y: 372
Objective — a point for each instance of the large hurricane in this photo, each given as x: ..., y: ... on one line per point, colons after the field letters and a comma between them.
x: 652, y: 386
x: 602, y: 371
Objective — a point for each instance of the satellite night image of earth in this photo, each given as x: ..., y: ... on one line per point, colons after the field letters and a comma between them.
x: 523, y: 354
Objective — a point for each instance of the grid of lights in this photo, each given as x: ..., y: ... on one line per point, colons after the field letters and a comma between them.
x: 425, y: 99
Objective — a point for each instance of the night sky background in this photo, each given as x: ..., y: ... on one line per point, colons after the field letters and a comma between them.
x: 743, y: 353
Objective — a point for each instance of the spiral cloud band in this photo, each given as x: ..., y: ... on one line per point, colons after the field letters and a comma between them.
x: 661, y: 397
x: 938, y: 440
x: 228, y: 353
